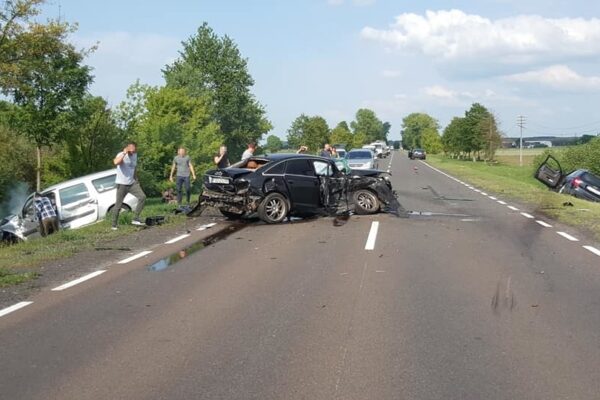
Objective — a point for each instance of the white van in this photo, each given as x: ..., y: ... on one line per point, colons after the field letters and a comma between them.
x: 79, y: 202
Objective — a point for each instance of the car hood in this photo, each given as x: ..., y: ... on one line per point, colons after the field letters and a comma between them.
x: 367, y: 172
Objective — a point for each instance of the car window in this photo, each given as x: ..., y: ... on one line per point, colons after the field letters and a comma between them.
x: 322, y: 168
x: 591, y: 179
x: 105, y: 184
x: 278, y: 169
x: 28, y: 207
x: 73, y: 194
x: 359, y: 154
x: 299, y: 167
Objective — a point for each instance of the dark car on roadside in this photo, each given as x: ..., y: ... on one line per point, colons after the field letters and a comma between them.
x: 278, y: 186
x: 417, y: 154
x: 580, y: 183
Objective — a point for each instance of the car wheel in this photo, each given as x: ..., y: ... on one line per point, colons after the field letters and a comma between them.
x: 231, y: 215
x: 366, y: 202
x: 273, y: 209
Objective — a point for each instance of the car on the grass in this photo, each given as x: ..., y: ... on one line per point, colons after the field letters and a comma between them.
x: 417, y: 154
x: 580, y: 183
x: 278, y: 186
x: 361, y: 159
x: 78, y: 202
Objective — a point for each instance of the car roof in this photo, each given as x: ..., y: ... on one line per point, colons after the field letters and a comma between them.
x: 93, y: 176
x: 286, y: 156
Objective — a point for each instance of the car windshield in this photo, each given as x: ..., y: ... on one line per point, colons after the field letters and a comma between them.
x: 353, y: 155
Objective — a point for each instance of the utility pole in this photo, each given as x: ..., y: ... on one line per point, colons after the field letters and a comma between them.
x: 521, y: 124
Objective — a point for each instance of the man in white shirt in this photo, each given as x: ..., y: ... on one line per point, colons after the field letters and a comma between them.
x: 249, y: 151
x: 126, y: 162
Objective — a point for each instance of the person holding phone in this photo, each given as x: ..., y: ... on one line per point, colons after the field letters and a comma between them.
x: 127, y: 182
x: 222, y: 160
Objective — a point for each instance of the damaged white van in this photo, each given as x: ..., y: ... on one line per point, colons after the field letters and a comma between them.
x: 79, y: 202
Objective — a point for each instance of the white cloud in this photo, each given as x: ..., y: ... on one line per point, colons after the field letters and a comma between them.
x: 444, y: 93
x: 558, y: 77
x: 123, y: 57
x: 391, y: 73
x: 456, y: 36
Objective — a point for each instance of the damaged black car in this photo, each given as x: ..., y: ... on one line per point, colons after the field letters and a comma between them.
x: 279, y: 186
x: 580, y: 183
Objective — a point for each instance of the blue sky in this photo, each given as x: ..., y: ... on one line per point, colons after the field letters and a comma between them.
x: 330, y: 57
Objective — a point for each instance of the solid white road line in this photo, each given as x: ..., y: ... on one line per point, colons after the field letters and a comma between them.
x: 592, y: 249
x: 14, y: 307
x: 177, y: 239
x: 513, y: 208
x: 501, y: 202
x: 568, y: 237
x: 78, y: 281
x: 135, y: 257
x: 207, y: 226
x: 370, y: 245
x: 527, y: 215
x: 544, y: 224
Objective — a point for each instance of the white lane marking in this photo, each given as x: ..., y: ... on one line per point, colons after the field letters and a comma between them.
x: 493, y: 198
x: 370, y: 245
x: 177, y: 239
x: 501, y: 202
x: 135, y: 257
x: 78, y: 281
x: 484, y: 194
x: 15, y: 307
x: 477, y: 190
x: 568, y: 237
x: 527, y: 215
x: 544, y: 224
x: 513, y: 208
x: 207, y: 226
x: 592, y: 249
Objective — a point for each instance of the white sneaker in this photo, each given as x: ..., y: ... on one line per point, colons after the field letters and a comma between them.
x: 137, y: 222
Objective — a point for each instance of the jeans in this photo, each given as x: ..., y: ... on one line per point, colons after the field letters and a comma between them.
x: 181, y: 181
x: 122, y: 190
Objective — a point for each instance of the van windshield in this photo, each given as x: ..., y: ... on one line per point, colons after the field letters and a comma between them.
x: 354, y: 155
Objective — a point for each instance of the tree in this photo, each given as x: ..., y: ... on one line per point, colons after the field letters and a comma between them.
x: 368, y: 125
x: 212, y: 67
x: 41, y: 72
x: 385, y: 130
x: 413, y: 128
x: 431, y: 141
x: 312, y: 132
x: 274, y: 144
x: 341, y: 135
x: 452, y: 138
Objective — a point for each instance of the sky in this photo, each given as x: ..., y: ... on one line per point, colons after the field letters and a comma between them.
x: 534, y: 58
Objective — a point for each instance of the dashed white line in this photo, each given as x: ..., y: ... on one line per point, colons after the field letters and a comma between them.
x: 78, y: 281
x: 207, y: 226
x: 177, y: 239
x: 513, y: 208
x: 501, y: 202
x: 15, y: 307
x: 370, y: 245
x: 135, y: 257
x: 527, y: 215
x: 592, y: 249
x: 493, y: 198
x: 477, y: 190
x: 544, y: 224
x: 484, y: 194
x: 568, y: 237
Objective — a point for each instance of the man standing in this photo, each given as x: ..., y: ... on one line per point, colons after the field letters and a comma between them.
x: 249, y: 151
x: 46, y: 214
x: 326, y: 152
x: 126, y: 162
x: 184, y: 167
x: 221, y: 160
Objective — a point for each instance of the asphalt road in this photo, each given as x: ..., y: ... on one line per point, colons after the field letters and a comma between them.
x: 466, y: 299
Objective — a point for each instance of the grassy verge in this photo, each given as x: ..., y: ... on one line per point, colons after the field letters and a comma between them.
x: 517, y: 183
x: 18, y: 262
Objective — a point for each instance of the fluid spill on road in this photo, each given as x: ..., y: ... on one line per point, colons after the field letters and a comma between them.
x: 166, y: 262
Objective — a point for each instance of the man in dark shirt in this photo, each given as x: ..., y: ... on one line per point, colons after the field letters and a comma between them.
x: 326, y: 152
x: 46, y: 214
x: 221, y: 160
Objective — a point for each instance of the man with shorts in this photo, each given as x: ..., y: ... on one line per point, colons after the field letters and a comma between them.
x: 126, y: 162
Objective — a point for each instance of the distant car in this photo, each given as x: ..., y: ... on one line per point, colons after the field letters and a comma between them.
x: 580, y: 183
x: 79, y: 202
x: 281, y: 185
x: 361, y: 159
x: 417, y: 153
x: 341, y: 152
x: 379, y: 149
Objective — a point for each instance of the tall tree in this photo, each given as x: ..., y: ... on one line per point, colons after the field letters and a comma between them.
x: 413, y: 128
x: 274, y: 144
x: 212, y: 66
x: 452, y: 138
x: 368, y: 125
x: 341, y: 135
x: 312, y: 132
x: 385, y: 131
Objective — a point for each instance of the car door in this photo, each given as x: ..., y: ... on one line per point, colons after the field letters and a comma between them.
x: 332, y: 184
x: 550, y: 173
x: 303, y: 184
x: 30, y: 226
x: 76, y: 207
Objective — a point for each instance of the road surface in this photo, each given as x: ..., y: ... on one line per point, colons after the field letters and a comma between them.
x: 469, y: 298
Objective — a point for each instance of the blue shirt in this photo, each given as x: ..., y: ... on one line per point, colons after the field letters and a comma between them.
x: 44, y: 208
x: 126, y: 170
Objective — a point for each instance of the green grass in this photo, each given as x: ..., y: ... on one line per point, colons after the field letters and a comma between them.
x: 517, y: 183
x: 19, y: 262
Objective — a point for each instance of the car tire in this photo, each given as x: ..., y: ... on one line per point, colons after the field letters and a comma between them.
x: 273, y: 209
x: 231, y: 215
x: 366, y: 202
